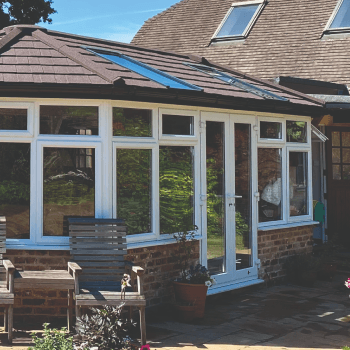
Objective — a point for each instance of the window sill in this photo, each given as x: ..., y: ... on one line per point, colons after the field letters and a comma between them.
x: 290, y: 225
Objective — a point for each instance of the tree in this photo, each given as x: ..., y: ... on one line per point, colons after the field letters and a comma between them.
x: 25, y: 12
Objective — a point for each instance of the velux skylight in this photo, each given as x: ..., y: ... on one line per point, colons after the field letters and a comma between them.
x: 236, y: 82
x: 143, y: 69
x: 340, y: 18
x: 239, y: 20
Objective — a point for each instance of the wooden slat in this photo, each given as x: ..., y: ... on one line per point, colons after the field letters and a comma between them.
x: 100, y: 228
x: 96, y: 244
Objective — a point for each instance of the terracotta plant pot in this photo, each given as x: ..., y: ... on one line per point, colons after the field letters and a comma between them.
x: 195, y: 294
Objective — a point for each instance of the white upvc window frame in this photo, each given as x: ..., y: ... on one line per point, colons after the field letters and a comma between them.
x: 30, y: 107
x: 327, y: 29
x: 249, y: 26
x: 37, y: 235
x: 286, y: 148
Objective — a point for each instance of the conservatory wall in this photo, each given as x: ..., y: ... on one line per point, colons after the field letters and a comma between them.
x: 235, y: 175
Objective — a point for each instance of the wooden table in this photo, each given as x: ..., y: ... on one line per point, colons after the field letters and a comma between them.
x: 47, y: 279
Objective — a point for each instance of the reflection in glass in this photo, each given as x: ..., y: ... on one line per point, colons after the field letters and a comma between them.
x: 177, y: 124
x: 243, y: 188
x: 345, y: 139
x: 298, y: 183
x: 69, y: 187
x: 296, y: 131
x: 346, y: 172
x: 68, y: 120
x: 335, y: 155
x: 215, y: 155
x: 15, y: 188
x: 335, y: 138
x: 238, y: 20
x: 132, y: 122
x: 342, y: 18
x: 270, y: 183
x: 134, y: 175
x: 345, y: 155
x: 336, y: 172
x: 176, y: 186
x: 13, y: 119
x: 270, y: 130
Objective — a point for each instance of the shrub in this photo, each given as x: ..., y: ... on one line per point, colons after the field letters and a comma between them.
x: 52, y: 339
x: 104, y: 329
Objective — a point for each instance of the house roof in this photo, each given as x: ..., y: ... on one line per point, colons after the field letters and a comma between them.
x: 40, y: 62
x: 286, y: 40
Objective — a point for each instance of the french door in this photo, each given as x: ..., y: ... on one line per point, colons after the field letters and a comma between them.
x: 228, y: 204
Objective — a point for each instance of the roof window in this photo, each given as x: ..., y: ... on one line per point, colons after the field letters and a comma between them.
x: 239, y: 20
x: 143, y: 69
x: 340, y: 18
x: 236, y: 82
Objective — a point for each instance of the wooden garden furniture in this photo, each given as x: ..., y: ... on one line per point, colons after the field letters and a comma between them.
x: 7, y: 270
x: 97, y: 249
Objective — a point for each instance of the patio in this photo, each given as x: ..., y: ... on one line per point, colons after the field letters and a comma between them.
x: 278, y: 317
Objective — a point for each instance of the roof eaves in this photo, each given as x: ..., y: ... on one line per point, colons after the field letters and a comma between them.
x: 78, y: 58
x: 265, y: 82
x: 8, y: 38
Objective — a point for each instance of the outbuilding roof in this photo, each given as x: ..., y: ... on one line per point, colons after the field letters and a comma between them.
x: 40, y: 62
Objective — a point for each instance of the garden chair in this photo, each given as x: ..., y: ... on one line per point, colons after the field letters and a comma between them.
x: 97, y: 249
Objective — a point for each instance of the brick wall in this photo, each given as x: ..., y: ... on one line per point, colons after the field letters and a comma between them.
x: 38, y: 306
x: 275, y: 246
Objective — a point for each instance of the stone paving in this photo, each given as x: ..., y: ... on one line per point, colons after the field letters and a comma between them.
x: 277, y: 317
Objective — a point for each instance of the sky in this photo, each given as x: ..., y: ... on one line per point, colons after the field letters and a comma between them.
x: 117, y: 20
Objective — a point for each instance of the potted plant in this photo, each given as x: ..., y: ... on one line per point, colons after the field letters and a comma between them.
x: 192, y: 285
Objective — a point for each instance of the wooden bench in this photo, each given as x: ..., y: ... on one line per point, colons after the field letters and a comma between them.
x: 7, y: 270
x: 97, y: 249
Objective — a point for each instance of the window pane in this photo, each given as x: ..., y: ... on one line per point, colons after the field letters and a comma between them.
x: 342, y: 18
x: 335, y: 155
x: 13, y: 119
x: 237, y: 21
x: 177, y: 125
x: 335, y: 138
x: 64, y: 120
x: 345, y: 139
x: 296, y: 131
x: 175, y: 188
x: 346, y: 172
x: 336, y: 172
x: 270, y: 183
x: 15, y: 188
x: 270, y: 130
x: 346, y: 155
x: 68, y: 187
x: 298, y: 183
x: 132, y: 122
x: 134, y: 176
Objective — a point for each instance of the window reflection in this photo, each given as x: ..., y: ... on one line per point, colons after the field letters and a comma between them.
x: 175, y: 188
x: 68, y: 120
x: 15, y: 188
x: 68, y: 187
x: 296, y: 131
x: 134, y: 175
x: 270, y: 183
x: 13, y: 119
x: 177, y: 124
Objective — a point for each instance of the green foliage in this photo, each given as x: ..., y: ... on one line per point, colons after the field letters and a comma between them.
x: 296, y: 131
x: 131, y: 122
x: 52, y: 339
x: 104, y: 329
x: 14, y: 192
x: 25, y: 12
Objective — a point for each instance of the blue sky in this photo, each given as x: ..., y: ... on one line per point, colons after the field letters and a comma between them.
x: 117, y: 20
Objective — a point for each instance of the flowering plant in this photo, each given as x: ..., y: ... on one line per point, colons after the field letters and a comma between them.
x: 198, y: 274
x: 347, y: 283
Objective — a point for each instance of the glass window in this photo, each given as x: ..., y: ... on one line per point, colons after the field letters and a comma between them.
x: 15, y: 188
x: 132, y: 122
x: 68, y: 187
x: 270, y: 183
x: 296, y: 131
x: 134, y: 176
x: 270, y: 130
x: 176, y: 188
x: 13, y: 119
x: 237, y: 21
x: 68, y: 120
x: 342, y: 18
x: 177, y: 124
x: 298, y: 189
